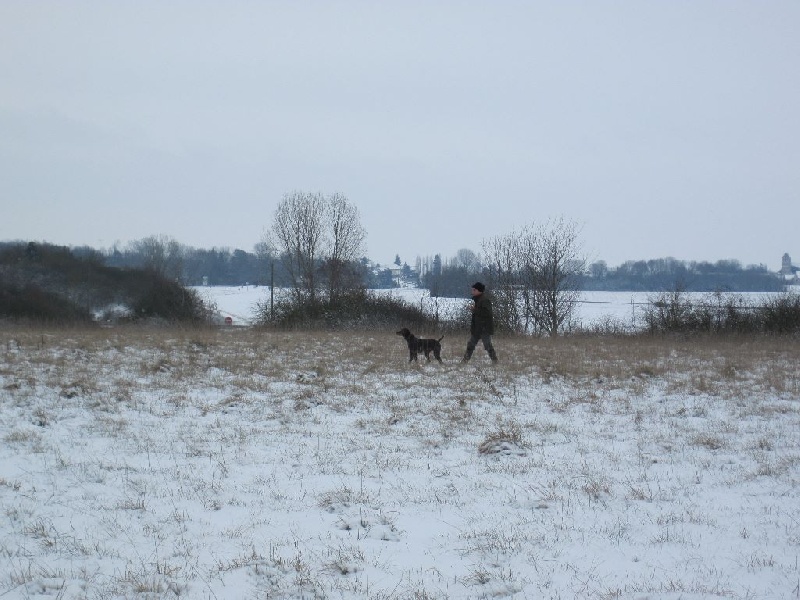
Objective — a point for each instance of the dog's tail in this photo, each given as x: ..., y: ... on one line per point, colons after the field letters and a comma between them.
x: 440, y: 339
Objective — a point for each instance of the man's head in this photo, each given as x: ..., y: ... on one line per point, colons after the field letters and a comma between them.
x: 477, y: 288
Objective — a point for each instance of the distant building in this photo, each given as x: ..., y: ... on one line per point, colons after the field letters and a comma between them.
x: 786, y: 264
x: 788, y: 271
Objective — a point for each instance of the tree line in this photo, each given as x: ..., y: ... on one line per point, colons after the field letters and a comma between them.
x: 666, y: 274
x: 448, y: 276
x: 317, y: 239
x: 315, y: 246
x: 195, y: 266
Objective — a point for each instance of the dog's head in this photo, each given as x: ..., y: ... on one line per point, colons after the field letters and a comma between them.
x: 405, y: 332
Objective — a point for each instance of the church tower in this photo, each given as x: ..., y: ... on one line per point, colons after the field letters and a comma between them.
x: 786, y: 265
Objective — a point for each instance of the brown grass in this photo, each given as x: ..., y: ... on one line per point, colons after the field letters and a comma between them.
x: 706, y: 365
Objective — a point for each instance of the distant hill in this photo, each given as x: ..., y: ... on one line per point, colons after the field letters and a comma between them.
x: 43, y: 282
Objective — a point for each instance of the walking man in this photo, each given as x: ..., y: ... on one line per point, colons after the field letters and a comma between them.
x: 482, y: 325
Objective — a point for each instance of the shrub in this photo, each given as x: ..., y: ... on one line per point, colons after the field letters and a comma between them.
x: 53, y: 283
x: 165, y: 299
x: 356, y: 310
x: 33, y: 303
x: 782, y: 314
x: 670, y: 312
x: 673, y: 312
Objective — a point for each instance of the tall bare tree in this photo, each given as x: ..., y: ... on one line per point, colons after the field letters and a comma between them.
x: 319, y: 239
x: 346, y: 243
x: 534, y: 274
x: 554, y: 274
x: 298, y: 234
x: 502, y: 255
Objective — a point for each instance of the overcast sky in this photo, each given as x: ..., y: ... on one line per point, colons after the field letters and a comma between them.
x: 662, y: 128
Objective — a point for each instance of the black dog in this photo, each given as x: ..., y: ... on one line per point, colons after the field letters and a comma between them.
x: 417, y: 345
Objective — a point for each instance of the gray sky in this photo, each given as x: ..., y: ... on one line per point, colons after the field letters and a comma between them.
x: 663, y: 128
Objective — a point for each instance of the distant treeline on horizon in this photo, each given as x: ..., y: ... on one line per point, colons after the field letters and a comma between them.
x: 223, y: 266
x: 656, y: 275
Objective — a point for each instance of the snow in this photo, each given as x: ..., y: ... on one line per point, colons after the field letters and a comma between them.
x: 594, y: 308
x: 239, y: 302
x: 241, y: 464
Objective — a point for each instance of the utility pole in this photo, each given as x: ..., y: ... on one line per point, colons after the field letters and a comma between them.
x: 272, y: 291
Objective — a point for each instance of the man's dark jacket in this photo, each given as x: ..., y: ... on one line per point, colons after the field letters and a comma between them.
x: 482, y: 319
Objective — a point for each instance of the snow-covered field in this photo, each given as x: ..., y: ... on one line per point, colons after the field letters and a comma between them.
x: 603, y: 310
x: 239, y: 303
x: 144, y: 463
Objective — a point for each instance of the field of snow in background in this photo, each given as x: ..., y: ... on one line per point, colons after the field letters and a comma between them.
x: 626, y: 308
x: 239, y: 303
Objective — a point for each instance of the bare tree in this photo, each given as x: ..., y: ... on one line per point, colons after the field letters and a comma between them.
x: 553, y: 274
x: 162, y: 254
x: 502, y: 254
x: 346, y: 243
x: 319, y: 239
x: 466, y: 259
x: 535, y: 275
x: 298, y: 235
